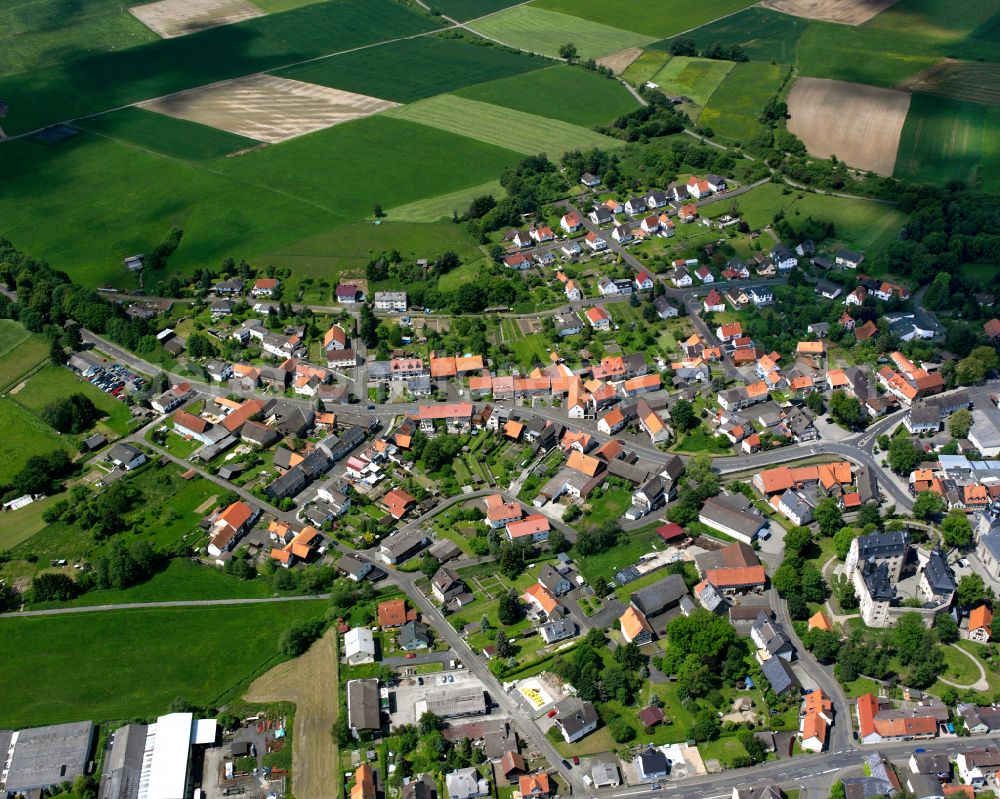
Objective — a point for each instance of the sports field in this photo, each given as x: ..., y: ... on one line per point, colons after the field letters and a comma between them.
x: 203, y: 654
x: 667, y: 18
x: 243, y: 207
x: 959, y: 80
x: 572, y: 95
x: 57, y: 382
x: 351, y: 247
x: 696, y: 78
x: 733, y: 109
x: 43, y: 32
x: 176, y: 138
x: 267, y: 108
x: 542, y: 31
x: 442, y: 206
x: 504, y: 127
x: 413, y: 69
x: 946, y: 140
x: 25, y: 435
x: 859, y: 124
x: 93, y: 83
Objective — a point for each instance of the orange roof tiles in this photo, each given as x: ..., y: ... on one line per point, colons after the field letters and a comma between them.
x: 736, y: 577
x: 392, y: 613
x: 513, y: 428
x: 819, y: 621
x: 529, y: 525
x: 980, y: 618
x: 975, y: 495
x: 813, y: 726
x: 867, y: 708
x: 758, y: 389
x: 364, y: 783
x: 810, y: 348
x: 652, y: 381
x: 397, y: 502
x: 236, y: 515
x: 538, y: 594
x: 633, y: 623
x: 583, y: 463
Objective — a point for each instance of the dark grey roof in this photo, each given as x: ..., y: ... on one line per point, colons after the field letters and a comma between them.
x: 923, y: 786
x: 733, y: 512
x: 124, y: 763
x: 574, y: 715
x: 925, y: 414
x: 414, y: 631
x: 772, y: 633
x: 932, y: 763
x: 124, y: 453
x: 674, y: 467
x: 878, y: 582
x: 658, y: 597
x: 362, y: 704
x: 653, y: 761
x: 938, y: 575
x: 778, y: 675
x: 883, y: 545
x: 45, y: 756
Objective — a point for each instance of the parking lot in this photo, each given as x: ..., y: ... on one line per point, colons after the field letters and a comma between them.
x: 409, y: 695
x: 118, y: 381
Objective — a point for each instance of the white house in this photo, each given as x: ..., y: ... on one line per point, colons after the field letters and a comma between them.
x: 596, y: 242
x: 571, y: 222
x: 359, y: 646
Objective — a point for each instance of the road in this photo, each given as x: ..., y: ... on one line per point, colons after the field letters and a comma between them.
x: 178, y: 603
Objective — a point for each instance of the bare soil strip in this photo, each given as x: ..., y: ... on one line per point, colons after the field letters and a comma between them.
x: 859, y: 124
x: 846, y: 12
x: 169, y: 19
x: 267, y: 108
x: 620, y: 61
x: 310, y: 682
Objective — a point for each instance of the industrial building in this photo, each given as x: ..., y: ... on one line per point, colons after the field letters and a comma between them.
x: 44, y: 756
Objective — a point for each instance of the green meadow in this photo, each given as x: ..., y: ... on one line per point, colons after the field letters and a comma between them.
x: 127, y: 664
x: 664, y: 19
x: 696, y: 78
x: 57, y: 382
x: 570, y: 94
x: 734, y: 107
x: 25, y: 435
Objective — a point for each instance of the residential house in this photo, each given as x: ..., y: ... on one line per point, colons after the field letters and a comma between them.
x: 359, y: 646
x: 575, y: 719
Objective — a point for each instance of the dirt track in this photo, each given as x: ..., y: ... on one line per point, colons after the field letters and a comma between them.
x: 311, y: 683
x: 171, y: 18
x: 846, y: 12
x: 859, y: 124
x: 267, y: 108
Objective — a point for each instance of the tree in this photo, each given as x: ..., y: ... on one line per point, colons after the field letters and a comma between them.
x: 847, y: 411
x: 57, y: 352
x: 797, y: 540
x: 825, y: 645
x: 960, y: 423
x: 53, y: 587
x: 73, y: 414
x: 558, y: 541
x: 787, y: 579
x: 428, y: 723
x: 837, y: 791
x: 869, y: 515
x: 568, y: 51
x: 815, y: 403
x: 621, y: 731
x: 974, y: 368
x: 842, y: 540
x: 828, y: 516
x: 928, y: 505
x: 904, y: 455
x: 956, y: 530
x: 298, y: 638
x: 946, y: 628
x: 910, y: 638
x: 705, y: 726
x: 377, y: 211
x: 429, y: 565
x: 694, y: 678
x: 971, y: 591
x: 682, y: 415
x: 503, y: 645
x: 509, y: 609
x: 368, y: 329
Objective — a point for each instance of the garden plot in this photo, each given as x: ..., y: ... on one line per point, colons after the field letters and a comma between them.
x: 859, y: 124
x: 266, y: 108
x: 847, y: 12
x: 171, y: 18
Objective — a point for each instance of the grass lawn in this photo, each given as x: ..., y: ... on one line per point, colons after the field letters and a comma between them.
x: 859, y: 224
x: 19, y: 525
x: 413, y: 69
x: 99, y: 81
x: 696, y: 78
x: 946, y: 139
x: 443, y: 206
x: 182, y: 579
x: 57, y: 382
x: 733, y: 108
x: 723, y: 750
x: 861, y: 686
x: 606, y: 506
x: 204, y: 654
x: 350, y: 248
x: 509, y: 128
x: 532, y: 28
x: 20, y: 352
x: 645, y: 66
x: 531, y: 350
x: 256, y: 204
x: 26, y: 435
x: 570, y: 94
x: 632, y: 546
x: 700, y: 440
x: 176, y: 138
x: 980, y: 651
x: 959, y: 667
x: 670, y: 18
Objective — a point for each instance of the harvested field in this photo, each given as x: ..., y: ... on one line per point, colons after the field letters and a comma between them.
x: 619, y: 62
x: 503, y: 127
x: 266, y: 108
x: 846, y: 12
x: 859, y: 124
x: 310, y: 682
x: 960, y: 80
x: 171, y: 18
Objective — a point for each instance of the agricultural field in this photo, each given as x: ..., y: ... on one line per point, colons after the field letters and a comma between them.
x: 350, y: 248
x: 859, y: 224
x: 44, y: 32
x: 25, y: 435
x: 57, y: 382
x: 20, y: 352
x: 764, y: 35
x: 463, y: 10
x: 934, y: 19
x: 170, y: 18
x: 696, y: 78
x: 734, y: 107
x: 94, y: 83
x: 946, y: 140
x: 266, y: 108
x: 569, y: 94
x: 620, y: 61
x: 852, y: 12
x: 413, y: 69
x: 441, y: 207
x: 541, y: 31
x: 959, y: 80
x: 861, y: 125
x: 204, y: 654
x: 503, y: 127
x: 175, y: 138
x: 669, y: 19
x: 246, y: 206
x: 645, y: 66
